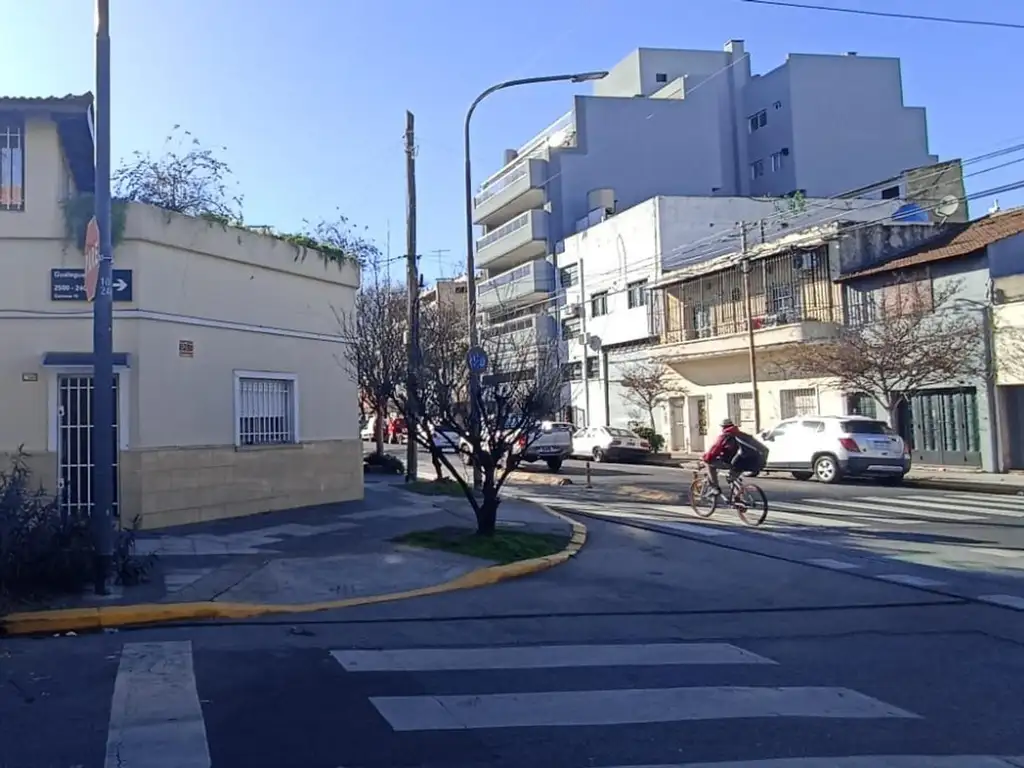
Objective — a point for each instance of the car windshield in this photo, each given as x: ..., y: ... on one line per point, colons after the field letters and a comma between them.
x: 618, y: 432
x: 865, y: 428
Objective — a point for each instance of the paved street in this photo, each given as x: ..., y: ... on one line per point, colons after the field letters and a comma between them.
x: 645, y: 650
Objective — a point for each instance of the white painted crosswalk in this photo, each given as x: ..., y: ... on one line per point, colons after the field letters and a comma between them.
x: 158, y: 717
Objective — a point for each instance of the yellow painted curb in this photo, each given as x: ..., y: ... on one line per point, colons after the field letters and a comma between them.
x: 111, y: 616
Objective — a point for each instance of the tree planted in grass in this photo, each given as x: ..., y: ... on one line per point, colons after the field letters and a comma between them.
x: 520, y: 390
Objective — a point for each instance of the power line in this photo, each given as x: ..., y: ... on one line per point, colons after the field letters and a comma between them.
x: 889, y: 14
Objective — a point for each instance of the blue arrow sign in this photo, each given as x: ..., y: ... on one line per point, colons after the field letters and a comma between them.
x: 476, y: 359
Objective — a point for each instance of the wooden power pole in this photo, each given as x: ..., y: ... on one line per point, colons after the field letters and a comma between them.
x: 413, y: 287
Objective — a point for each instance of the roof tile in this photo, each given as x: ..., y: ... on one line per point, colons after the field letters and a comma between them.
x: 955, y: 240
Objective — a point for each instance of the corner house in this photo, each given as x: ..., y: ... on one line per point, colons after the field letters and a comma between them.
x: 230, y: 397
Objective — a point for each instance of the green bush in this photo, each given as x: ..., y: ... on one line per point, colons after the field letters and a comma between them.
x: 657, y: 441
x: 383, y: 463
x: 43, y: 552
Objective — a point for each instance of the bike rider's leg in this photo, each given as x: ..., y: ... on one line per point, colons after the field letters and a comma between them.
x: 712, y: 470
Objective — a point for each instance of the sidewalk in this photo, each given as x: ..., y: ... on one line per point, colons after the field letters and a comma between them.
x: 331, y: 556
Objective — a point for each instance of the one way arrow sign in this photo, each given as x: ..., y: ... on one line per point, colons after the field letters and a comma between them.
x: 120, y: 285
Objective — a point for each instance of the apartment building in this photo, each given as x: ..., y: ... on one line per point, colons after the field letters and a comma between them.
x: 606, y: 270
x: 446, y: 292
x: 684, y: 123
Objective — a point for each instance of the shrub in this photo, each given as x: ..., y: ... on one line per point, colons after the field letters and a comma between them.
x: 657, y: 441
x: 43, y: 552
x: 383, y: 463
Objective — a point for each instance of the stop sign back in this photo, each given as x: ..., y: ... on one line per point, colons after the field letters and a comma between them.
x: 92, y: 258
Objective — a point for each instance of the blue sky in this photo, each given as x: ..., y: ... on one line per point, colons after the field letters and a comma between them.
x: 309, y: 97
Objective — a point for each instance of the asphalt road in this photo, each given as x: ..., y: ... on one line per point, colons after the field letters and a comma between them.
x: 645, y: 650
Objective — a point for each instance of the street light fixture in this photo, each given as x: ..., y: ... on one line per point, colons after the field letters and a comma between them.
x: 474, y: 376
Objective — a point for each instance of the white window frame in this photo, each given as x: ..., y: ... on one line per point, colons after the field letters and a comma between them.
x: 268, y: 376
x: 53, y: 374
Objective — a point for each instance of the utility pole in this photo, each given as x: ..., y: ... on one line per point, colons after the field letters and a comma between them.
x: 102, y: 518
x: 745, y: 268
x: 586, y: 346
x: 413, y: 287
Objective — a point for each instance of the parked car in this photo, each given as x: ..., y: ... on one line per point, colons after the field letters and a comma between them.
x: 610, y: 443
x: 368, y: 430
x: 550, y: 442
x: 443, y: 438
x: 830, y: 448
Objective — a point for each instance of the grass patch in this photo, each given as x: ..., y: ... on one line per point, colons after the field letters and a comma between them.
x: 446, y: 487
x: 503, y: 547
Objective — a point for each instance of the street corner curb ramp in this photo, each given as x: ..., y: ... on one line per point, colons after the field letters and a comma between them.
x: 115, y: 616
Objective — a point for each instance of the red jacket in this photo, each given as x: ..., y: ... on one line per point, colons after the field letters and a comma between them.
x: 724, y: 447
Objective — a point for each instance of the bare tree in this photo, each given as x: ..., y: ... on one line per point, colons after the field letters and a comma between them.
x: 519, y: 391
x: 920, y: 336
x: 646, y: 384
x: 375, y: 355
x: 186, y: 179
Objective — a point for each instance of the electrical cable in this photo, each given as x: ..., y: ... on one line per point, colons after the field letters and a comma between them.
x: 887, y: 14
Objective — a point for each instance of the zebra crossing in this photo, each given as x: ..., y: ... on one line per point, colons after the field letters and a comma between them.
x: 666, y: 704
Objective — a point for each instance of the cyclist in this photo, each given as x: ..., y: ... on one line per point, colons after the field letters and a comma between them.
x: 725, y: 453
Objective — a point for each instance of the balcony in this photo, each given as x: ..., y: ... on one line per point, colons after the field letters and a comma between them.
x: 519, y: 188
x: 521, y: 336
x: 530, y: 282
x: 522, y: 239
x: 722, y: 340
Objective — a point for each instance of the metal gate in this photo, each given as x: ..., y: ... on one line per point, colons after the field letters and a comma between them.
x: 941, y: 427
x: 74, y: 444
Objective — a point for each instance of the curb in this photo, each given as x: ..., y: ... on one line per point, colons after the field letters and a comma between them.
x: 113, y: 616
x: 969, y: 486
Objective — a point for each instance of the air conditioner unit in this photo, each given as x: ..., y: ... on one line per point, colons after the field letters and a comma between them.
x: 571, y: 311
x: 803, y: 262
x: 582, y: 339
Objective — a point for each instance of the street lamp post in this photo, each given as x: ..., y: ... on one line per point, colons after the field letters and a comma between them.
x: 474, y: 376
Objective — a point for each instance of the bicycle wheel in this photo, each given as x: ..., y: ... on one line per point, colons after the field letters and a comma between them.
x: 752, y: 505
x: 702, y: 506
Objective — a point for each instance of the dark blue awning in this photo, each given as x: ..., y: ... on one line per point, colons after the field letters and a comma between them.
x: 80, y: 359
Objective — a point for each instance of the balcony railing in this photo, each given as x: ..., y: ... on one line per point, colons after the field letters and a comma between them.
x: 502, y: 183
x: 535, y: 147
x: 523, y: 220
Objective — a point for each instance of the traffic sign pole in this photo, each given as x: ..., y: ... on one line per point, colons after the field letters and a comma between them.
x: 103, y: 316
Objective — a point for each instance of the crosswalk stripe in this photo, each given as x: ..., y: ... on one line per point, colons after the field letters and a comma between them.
x: 696, y: 529
x: 792, y: 512
x: 1003, y: 499
x: 970, y: 512
x: 627, y: 707
x: 156, y: 719
x: 861, y: 761
x: 1008, y: 601
x: 544, y: 657
x: 890, y: 514
x: 911, y: 580
x: 992, y: 504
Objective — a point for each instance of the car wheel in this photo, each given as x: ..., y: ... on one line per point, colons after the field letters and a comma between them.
x: 554, y: 464
x: 826, y: 469
x: 803, y: 475
x: 598, y: 455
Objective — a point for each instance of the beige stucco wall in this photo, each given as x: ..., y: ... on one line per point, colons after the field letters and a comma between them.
x: 245, y: 302
x: 1008, y: 326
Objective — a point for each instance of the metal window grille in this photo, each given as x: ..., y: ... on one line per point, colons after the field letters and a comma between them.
x: 74, y: 445
x: 741, y: 409
x: 12, y: 168
x: 798, y: 402
x: 266, y: 411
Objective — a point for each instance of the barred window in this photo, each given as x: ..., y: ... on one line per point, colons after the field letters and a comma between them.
x: 265, y: 409
x: 12, y: 167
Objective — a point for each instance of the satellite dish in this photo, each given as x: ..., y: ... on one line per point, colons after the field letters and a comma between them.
x: 947, y: 206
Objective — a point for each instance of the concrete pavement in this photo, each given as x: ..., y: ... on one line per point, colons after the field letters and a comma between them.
x: 303, y: 559
x: 646, y: 650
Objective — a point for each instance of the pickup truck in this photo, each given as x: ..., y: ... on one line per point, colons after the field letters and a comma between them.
x: 550, y: 442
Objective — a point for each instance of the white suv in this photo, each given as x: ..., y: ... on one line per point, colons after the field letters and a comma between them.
x: 833, y: 447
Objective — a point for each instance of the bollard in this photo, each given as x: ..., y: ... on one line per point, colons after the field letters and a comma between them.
x: 588, y: 475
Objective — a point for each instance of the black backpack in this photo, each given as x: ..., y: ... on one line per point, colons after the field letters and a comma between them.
x: 752, y: 455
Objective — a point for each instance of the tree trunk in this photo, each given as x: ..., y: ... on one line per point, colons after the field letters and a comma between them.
x: 487, y: 513
x: 650, y: 415
x: 378, y: 431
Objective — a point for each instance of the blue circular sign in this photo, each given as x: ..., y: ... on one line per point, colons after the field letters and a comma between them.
x: 476, y: 359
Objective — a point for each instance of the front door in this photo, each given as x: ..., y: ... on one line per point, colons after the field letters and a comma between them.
x: 74, y: 444
x: 941, y: 427
x: 677, y: 424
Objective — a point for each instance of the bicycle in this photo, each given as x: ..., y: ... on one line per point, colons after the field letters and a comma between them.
x: 747, y: 499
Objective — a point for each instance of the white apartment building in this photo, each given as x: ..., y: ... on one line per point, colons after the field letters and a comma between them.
x: 684, y: 123
x: 607, y: 269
